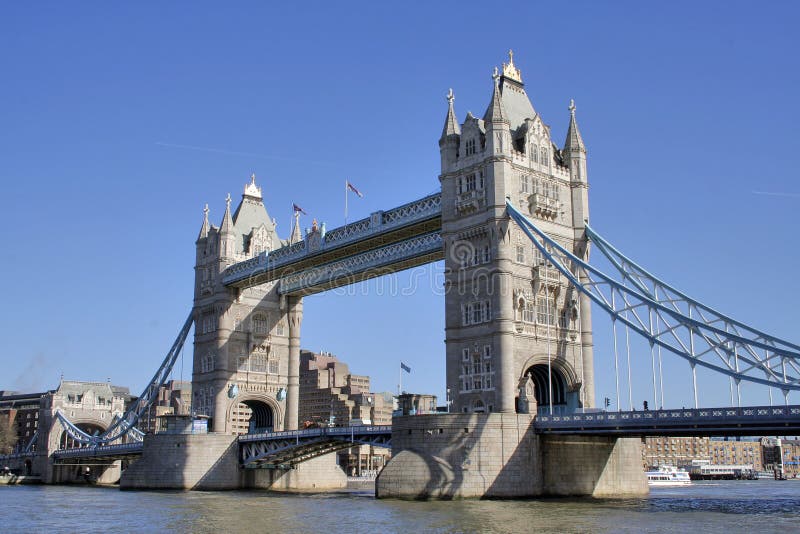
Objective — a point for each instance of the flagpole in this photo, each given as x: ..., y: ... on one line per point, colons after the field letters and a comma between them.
x: 400, y: 383
x: 345, y: 202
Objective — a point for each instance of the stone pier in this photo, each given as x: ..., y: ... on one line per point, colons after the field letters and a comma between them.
x: 500, y: 456
x: 211, y: 462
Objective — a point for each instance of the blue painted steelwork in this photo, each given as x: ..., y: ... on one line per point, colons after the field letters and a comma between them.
x: 284, y: 449
x: 114, y: 451
x: 349, y: 269
x: 125, y: 425
x: 380, y: 222
x: 693, y: 339
x: 728, y: 421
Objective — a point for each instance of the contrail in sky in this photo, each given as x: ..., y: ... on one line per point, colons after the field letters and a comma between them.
x: 777, y: 194
x: 236, y: 153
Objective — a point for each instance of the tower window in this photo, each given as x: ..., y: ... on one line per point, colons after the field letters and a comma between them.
x: 524, y: 183
x: 528, y: 313
x: 470, y: 185
x: 535, y: 153
x: 520, y: 254
x: 470, y: 147
x: 545, y: 310
x: 259, y: 324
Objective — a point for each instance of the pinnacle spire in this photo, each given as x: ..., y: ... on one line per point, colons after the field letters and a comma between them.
x: 204, y: 228
x: 451, y: 126
x: 495, y: 112
x: 574, y: 140
x: 296, y: 234
x: 227, y: 222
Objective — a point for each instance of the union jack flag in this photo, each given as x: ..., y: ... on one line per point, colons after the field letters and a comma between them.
x: 298, y: 209
x: 405, y: 368
x: 352, y: 188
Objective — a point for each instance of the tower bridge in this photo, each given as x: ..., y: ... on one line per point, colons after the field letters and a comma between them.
x: 511, y: 223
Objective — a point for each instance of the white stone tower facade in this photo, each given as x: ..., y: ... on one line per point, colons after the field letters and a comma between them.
x: 240, y: 376
x: 518, y: 336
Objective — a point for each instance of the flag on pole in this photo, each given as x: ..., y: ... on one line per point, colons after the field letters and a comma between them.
x: 298, y: 209
x: 352, y: 188
x: 405, y: 368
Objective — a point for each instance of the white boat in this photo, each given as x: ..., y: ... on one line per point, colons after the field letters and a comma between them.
x: 667, y: 475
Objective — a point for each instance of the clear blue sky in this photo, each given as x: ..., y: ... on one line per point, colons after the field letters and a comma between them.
x: 688, y: 110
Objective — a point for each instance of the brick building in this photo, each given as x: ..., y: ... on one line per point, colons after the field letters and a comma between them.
x: 681, y: 451
x: 331, y: 395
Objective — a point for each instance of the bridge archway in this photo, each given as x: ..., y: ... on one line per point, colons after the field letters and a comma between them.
x: 253, y: 414
x: 559, y: 380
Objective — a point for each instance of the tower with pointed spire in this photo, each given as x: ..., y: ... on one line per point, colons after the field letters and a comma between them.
x: 240, y: 372
x: 518, y: 336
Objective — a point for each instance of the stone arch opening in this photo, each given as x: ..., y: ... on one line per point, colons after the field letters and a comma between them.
x: 252, y: 416
x: 66, y: 442
x: 546, y: 383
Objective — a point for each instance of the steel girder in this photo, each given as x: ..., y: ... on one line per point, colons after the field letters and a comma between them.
x: 285, y: 449
x: 650, y: 308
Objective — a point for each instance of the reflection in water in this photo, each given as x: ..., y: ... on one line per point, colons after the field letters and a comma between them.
x: 714, y: 507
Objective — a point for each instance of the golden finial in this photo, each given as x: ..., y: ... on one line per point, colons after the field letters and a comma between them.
x: 509, y: 70
x: 571, y: 106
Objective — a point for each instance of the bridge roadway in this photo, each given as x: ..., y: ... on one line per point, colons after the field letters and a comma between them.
x: 284, y: 449
x: 744, y: 421
x: 119, y: 451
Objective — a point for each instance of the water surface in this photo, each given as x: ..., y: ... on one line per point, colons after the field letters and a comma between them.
x: 728, y: 506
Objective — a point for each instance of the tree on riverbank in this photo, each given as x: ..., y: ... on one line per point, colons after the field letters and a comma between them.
x: 8, y: 435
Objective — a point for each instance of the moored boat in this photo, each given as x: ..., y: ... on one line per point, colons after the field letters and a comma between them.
x: 667, y: 475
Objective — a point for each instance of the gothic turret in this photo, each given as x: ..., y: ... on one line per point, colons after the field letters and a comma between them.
x: 204, y: 228
x: 574, y: 142
x: 575, y: 157
x: 451, y: 135
x: 297, y: 235
x: 227, y: 244
x: 255, y: 231
x: 495, y: 120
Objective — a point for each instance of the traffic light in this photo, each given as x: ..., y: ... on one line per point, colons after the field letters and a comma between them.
x: 608, y: 402
x: 645, y: 405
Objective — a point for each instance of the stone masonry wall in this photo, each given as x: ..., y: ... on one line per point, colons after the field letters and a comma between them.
x: 595, y: 466
x: 185, y: 461
x: 462, y: 455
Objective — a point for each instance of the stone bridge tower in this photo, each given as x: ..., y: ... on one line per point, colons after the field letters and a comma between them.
x: 518, y: 336
x: 240, y: 375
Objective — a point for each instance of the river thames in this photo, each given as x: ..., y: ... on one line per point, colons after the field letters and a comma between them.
x: 730, y: 506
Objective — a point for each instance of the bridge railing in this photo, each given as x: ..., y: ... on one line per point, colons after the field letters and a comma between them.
x: 665, y: 416
x: 336, y: 431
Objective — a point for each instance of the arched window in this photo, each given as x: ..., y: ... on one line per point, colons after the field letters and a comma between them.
x: 535, y: 153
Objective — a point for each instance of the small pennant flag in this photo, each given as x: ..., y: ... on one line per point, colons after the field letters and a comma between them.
x: 352, y: 188
x: 298, y: 209
x: 405, y: 368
